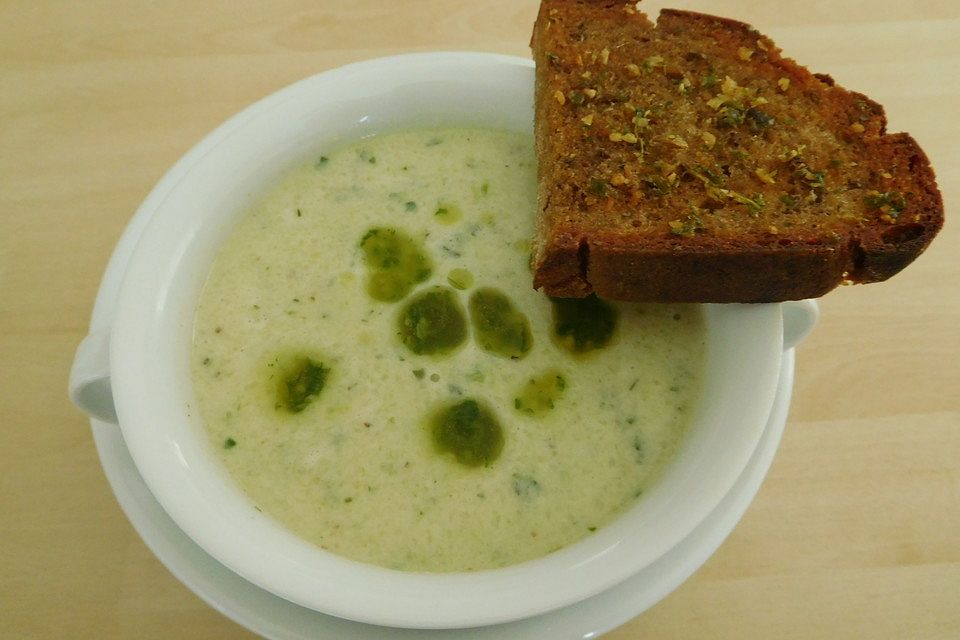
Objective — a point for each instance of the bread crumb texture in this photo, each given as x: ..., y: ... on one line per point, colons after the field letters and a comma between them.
x: 690, y: 161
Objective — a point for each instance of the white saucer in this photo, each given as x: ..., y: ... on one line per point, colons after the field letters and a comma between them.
x: 275, y: 618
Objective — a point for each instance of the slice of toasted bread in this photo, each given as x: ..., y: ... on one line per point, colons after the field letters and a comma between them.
x: 689, y: 161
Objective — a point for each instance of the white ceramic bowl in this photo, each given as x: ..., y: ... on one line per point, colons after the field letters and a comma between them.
x: 147, y: 371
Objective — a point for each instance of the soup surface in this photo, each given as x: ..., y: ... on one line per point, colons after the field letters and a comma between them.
x: 377, y: 374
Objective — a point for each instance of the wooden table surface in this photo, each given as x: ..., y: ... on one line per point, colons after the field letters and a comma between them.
x: 856, y: 532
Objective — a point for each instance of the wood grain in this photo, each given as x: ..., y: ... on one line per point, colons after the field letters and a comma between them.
x: 856, y: 532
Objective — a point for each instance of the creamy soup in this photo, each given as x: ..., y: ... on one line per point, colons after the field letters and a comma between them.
x: 377, y: 374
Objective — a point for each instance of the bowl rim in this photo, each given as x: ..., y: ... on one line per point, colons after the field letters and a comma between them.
x: 295, y: 569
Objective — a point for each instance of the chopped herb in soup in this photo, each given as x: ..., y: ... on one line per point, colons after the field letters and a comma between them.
x: 583, y: 324
x: 377, y: 374
x: 299, y: 382
x: 469, y: 431
x: 499, y: 327
x: 433, y: 322
x: 395, y: 261
x: 541, y: 393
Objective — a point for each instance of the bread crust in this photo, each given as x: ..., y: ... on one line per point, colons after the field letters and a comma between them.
x: 579, y: 250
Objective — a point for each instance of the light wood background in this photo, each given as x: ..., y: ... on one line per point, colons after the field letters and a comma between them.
x: 856, y: 533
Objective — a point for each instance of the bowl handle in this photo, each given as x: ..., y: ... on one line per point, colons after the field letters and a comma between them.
x: 799, y: 319
x: 90, y: 377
